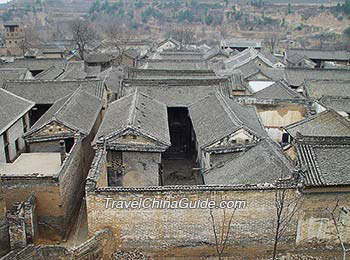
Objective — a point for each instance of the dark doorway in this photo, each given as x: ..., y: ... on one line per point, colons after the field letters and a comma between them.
x: 178, y: 161
x: 180, y: 127
x: 37, y: 112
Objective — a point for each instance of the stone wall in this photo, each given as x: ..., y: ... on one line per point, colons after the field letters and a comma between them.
x: 154, y: 228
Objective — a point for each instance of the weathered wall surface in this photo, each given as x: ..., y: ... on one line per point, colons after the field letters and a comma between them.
x: 4, y: 236
x: 45, y: 147
x: 100, y: 246
x: 49, y: 210
x: 315, y: 222
x: 154, y: 228
x: 71, y: 183
x: 141, y: 168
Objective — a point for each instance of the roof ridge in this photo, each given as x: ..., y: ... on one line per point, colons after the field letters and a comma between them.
x: 132, y: 110
x: 232, y: 115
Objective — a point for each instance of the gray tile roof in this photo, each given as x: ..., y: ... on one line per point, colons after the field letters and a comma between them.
x: 278, y: 90
x: 136, y: 112
x: 328, y: 123
x: 216, y: 117
x: 98, y: 57
x: 264, y: 163
x: 77, y: 111
x: 317, y: 88
x: 176, y: 65
x: 315, y: 54
x: 49, y: 74
x: 12, y: 107
x: 48, y: 91
x: 242, y: 43
x: 336, y: 103
x: 248, y: 55
x: 324, y: 165
x: 297, y: 76
x: 34, y: 64
x: 74, y: 70
x: 217, y: 51
x: 14, y: 74
x: 175, y: 93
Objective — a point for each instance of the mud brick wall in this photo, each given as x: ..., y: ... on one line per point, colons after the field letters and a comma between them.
x: 154, y: 228
x: 142, y: 168
x: 71, y: 183
x: 4, y: 235
x: 315, y: 222
x: 100, y: 246
x: 47, y: 192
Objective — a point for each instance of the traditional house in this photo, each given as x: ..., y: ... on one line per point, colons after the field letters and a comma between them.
x: 57, y: 162
x: 34, y: 65
x: 134, y: 132
x: 295, y: 77
x: 250, y: 54
x: 79, y: 112
x: 241, y: 44
x: 222, y: 128
x: 46, y: 92
x: 319, y: 57
x: 14, y: 122
x: 325, y: 94
x: 167, y: 44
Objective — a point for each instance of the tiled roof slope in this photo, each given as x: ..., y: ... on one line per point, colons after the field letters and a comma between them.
x: 49, y: 91
x: 263, y: 163
x: 318, y: 88
x: 137, y: 112
x: 278, y: 90
x: 328, y: 123
x: 325, y: 165
x: 12, y: 107
x: 216, y: 117
x: 77, y: 111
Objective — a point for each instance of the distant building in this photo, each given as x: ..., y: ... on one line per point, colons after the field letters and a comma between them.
x: 14, y: 38
x: 241, y: 44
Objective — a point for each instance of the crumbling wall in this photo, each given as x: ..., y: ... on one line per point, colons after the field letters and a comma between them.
x: 47, y: 192
x: 22, y: 223
x: 100, y: 246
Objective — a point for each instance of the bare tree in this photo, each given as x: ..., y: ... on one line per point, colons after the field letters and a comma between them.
x: 336, y: 214
x: 31, y: 38
x: 183, y: 35
x: 222, y: 232
x: 83, y: 34
x: 287, y: 203
x: 119, y: 37
x: 271, y: 42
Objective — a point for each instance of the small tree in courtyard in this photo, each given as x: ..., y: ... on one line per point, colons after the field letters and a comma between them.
x: 221, y: 231
x: 287, y: 203
x: 336, y: 214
